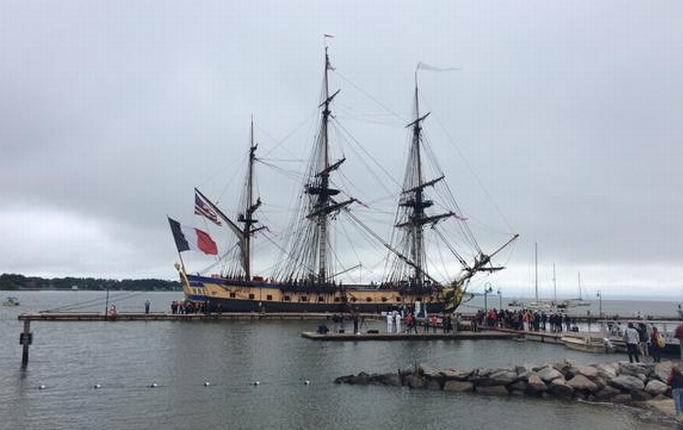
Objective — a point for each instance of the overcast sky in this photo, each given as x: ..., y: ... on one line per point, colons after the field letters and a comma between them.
x: 563, y: 124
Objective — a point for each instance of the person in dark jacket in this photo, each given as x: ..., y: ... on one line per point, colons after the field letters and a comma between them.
x: 676, y: 382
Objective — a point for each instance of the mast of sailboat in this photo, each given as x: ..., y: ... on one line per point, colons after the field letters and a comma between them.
x: 324, y: 203
x: 578, y: 280
x: 554, y: 284
x: 247, y: 218
x: 417, y: 204
x: 536, y: 270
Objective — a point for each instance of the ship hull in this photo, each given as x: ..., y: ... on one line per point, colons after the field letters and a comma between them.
x: 223, y: 295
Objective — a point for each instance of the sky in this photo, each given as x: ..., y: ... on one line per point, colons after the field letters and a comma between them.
x: 562, y: 123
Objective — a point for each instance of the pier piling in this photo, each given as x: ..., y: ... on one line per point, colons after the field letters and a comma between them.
x: 25, y: 339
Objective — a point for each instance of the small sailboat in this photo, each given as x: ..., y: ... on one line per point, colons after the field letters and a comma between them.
x: 11, y: 301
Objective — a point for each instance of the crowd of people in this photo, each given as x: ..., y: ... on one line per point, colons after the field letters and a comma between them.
x: 187, y: 307
x: 525, y: 319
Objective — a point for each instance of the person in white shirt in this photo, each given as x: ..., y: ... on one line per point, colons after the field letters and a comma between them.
x: 397, y: 322
x: 632, y: 339
x: 390, y: 323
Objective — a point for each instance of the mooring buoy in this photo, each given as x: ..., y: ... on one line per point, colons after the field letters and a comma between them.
x: 154, y: 385
x: 207, y: 383
x: 256, y: 383
x: 42, y: 387
x: 96, y: 386
x: 307, y: 382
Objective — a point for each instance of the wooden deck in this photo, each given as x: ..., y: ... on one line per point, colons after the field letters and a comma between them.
x: 157, y: 316
x: 463, y: 335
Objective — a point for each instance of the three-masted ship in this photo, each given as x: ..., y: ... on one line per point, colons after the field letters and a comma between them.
x: 304, y: 280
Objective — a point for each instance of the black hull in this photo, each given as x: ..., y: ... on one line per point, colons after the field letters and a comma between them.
x: 232, y: 305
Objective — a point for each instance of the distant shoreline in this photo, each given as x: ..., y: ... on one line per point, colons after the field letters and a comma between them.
x: 16, y: 282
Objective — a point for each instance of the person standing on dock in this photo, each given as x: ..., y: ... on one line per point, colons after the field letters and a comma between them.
x: 397, y: 322
x: 390, y: 323
x: 632, y: 339
x: 676, y: 382
x: 147, y: 305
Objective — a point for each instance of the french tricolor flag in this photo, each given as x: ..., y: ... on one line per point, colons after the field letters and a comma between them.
x: 187, y: 238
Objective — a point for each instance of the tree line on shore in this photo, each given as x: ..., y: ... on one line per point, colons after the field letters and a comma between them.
x: 10, y: 281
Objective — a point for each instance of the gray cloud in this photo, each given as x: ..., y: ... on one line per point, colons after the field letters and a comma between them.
x: 569, y: 114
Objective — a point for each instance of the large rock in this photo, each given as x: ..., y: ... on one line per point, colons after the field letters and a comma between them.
x: 458, y: 386
x: 607, y: 393
x: 518, y: 386
x: 639, y: 370
x: 607, y: 371
x: 494, y: 390
x: 627, y: 383
x: 640, y: 396
x: 415, y: 381
x: 429, y: 372
x: 456, y: 375
x: 587, y: 371
x: 656, y: 387
x: 535, y: 384
x: 503, y: 377
x: 549, y: 373
x: 560, y: 388
x: 580, y: 382
x: 663, y: 370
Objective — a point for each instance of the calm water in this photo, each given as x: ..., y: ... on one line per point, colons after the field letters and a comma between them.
x: 125, y: 357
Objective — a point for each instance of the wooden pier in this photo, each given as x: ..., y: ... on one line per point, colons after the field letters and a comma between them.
x: 462, y: 335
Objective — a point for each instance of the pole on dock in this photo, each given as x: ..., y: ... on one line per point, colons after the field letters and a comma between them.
x: 600, y: 303
x: 25, y: 340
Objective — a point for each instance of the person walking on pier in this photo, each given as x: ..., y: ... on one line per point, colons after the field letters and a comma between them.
x: 632, y: 339
x: 147, y: 305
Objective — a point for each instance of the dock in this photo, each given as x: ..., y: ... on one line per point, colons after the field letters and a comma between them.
x: 464, y: 335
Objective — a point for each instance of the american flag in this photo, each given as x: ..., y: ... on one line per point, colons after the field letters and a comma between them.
x: 203, y: 209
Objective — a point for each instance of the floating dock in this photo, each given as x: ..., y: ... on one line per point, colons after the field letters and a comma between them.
x: 463, y: 335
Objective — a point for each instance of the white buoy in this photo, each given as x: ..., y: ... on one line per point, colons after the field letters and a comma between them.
x: 154, y: 385
x: 257, y: 383
x: 96, y: 386
x: 207, y: 383
x: 42, y: 387
x: 307, y: 382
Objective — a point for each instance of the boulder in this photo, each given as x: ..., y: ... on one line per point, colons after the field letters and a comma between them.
x: 455, y: 375
x: 549, y: 373
x: 415, y: 381
x: 494, y: 390
x: 458, y: 386
x: 607, y: 393
x: 580, y: 382
x: 503, y: 377
x: 428, y: 371
x: 560, y: 388
x: 663, y: 370
x: 640, y: 395
x: 521, y: 370
x: 627, y: 383
x: 639, y: 370
x: 622, y: 398
x: 535, y: 384
x: 433, y: 384
x: 587, y: 371
x: 656, y: 387
x: 518, y: 386
x: 606, y: 371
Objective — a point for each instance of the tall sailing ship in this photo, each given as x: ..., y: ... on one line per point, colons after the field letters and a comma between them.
x: 305, y: 280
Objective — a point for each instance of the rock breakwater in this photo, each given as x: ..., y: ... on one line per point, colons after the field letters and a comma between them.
x: 619, y: 382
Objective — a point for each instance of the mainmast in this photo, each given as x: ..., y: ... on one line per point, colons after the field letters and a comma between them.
x: 319, y: 187
x: 247, y: 216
